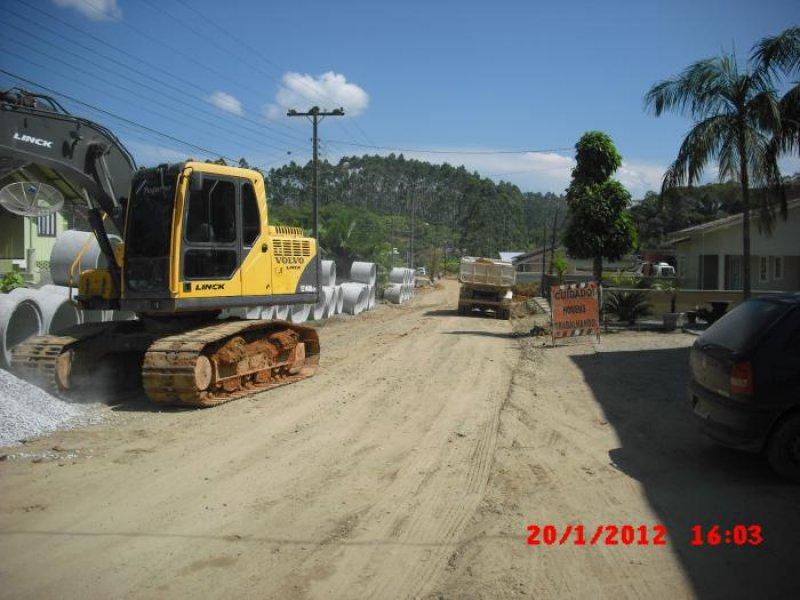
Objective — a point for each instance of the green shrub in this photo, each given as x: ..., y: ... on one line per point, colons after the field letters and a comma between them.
x: 627, y: 306
x: 11, y: 280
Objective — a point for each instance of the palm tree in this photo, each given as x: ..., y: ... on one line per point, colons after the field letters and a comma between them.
x: 736, y: 115
x: 776, y: 55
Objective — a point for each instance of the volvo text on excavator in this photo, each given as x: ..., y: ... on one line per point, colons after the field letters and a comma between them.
x: 196, y: 240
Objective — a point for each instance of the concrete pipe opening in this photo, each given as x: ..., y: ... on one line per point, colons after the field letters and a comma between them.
x: 64, y: 317
x: 19, y: 320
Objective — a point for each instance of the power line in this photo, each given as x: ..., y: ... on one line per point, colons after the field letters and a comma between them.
x: 120, y: 118
x: 171, y: 75
x: 254, y: 149
x: 273, y: 64
x: 257, y: 140
x: 460, y: 152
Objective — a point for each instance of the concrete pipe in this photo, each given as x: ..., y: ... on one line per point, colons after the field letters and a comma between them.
x: 268, y: 312
x: 66, y: 249
x: 58, y: 312
x: 355, y: 298
x: 95, y: 316
x: 321, y: 309
x: 339, y: 306
x: 363, y: 272
x: 329, y: 296
x: 253, y: 313
x: 393, y: 294
x: 282, y: 312
x: 328, y: 268
x: 398, y: 275
x: 371, y: 297
x: 20, y: 318
x: 122, y: 315
x: 298, y: 313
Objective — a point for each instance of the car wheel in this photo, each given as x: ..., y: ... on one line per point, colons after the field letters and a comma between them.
x: 783, y: 449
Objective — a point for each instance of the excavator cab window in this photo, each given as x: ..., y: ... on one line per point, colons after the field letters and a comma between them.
x: 149, y: 232
x: 251, y: 220
x: 211, y: 249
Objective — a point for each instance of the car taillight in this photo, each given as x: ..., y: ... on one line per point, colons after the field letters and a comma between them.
x: 742, y: 378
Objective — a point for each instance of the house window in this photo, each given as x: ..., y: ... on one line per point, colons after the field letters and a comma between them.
x: 763, y: 268
x: 46, y: 225
x: 777, y: 267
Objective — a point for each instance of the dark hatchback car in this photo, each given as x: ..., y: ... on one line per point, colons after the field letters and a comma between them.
x: 745, y: 384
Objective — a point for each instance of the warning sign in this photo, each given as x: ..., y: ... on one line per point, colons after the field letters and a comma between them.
x: 575, y: 310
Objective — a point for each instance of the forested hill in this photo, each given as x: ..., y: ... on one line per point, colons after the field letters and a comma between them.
x: 367, y: 204
x: 462, y: 209
x: 656, y: 216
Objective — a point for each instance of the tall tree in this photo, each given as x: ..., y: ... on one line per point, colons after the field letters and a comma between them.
x: 598, y: 223
x: 736, y: 118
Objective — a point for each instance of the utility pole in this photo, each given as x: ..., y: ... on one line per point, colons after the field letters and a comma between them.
x: 553, y: 242
x: 316, y: 115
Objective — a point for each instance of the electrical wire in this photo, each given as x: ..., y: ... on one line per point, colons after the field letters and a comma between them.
x: 459, y: 152
x: 171, y: 75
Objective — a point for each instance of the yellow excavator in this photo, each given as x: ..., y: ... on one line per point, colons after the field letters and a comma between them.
x: 196, y: 240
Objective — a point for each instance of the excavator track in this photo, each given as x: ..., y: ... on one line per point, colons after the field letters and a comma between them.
x: 46, y: 360
x: 227, y: 360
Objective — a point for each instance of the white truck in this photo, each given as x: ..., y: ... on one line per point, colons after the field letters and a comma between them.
x: 486, y: 285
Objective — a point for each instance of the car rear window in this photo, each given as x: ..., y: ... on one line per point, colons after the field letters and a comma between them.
x: 742, y: 326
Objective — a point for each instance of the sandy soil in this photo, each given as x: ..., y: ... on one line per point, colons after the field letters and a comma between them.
x: 408, y: 467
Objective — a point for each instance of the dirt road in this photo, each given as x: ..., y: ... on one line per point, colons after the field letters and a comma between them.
x: 408, y: 467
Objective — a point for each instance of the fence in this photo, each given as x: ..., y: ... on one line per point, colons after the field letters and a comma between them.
x: 686, y: 300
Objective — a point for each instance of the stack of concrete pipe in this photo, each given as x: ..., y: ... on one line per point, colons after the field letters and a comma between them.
x: 359, y: 293
x: 401, y: 285
x: 28, y: 312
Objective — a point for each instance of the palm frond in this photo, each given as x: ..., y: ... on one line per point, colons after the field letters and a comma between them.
x: 778, y: 53
x: 699, y: 91
x: 702, y: 143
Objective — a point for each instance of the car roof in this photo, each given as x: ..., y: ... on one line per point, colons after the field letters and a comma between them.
x: 787, y: 298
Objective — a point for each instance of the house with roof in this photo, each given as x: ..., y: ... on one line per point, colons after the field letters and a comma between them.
x: 709, y: 256
x: 26, y: 242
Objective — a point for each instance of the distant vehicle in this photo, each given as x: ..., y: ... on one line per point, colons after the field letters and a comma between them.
x: 421, y: 271
x: 745, y: 380
x: 659, y: 269
x: 486, y: 285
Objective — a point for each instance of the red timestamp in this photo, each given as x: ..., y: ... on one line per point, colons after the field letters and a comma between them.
x: 736, y: 535
x: 605, y: 535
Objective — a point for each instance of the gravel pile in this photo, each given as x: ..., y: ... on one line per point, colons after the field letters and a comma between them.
x: 27, y: 411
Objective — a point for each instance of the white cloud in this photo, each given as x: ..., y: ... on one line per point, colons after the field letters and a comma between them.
x: 226, y: 102
x: 640, y: 177
x: 96, y: 10
x: 329, y: 90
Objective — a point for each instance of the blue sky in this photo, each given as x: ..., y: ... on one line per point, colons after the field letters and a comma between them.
x: 447, y: 76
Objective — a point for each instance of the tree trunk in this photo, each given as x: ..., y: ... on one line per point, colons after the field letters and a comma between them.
x: 597, y: 269
x: 745, y: 221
